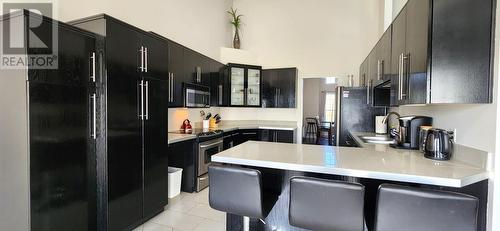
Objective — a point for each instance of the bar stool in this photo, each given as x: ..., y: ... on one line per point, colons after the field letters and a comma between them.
x: 410, y: 209
x: 311, y: 130
x: 238, y: 191
x: 319, y: 204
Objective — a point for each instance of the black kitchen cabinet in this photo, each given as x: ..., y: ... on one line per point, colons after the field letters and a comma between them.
x: 248, y: 134
x: 437, y: 57
x: 245, y: 88
x: 155, y: 155
x: 49, y: 143
x: 278, y: 136
x: 185, y: 155
x: 398, y: 48
x: 363, y: 73
x: 219, y: 87
x: 231, y: 139
x: 177, y: 74
x: 279, y: 88
x: 136, y: 88
x: 371, y: 75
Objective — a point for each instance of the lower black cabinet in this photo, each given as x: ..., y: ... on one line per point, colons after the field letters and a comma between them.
x: 184, y: 155
x: 279, y: 136
x: 248, y: 134
x: 231, y: 139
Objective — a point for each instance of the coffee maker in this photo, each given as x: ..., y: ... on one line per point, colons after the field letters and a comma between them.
x: 409, y: 130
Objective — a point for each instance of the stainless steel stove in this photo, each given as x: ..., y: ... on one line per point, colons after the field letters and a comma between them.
x: 210, y: 142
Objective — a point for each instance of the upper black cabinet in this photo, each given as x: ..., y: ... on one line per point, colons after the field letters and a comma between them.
x: 245, y: 88
x: 438, y: 57
x: 279, y: 88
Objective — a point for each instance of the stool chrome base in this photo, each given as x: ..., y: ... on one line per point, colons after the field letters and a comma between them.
x: 246, y: 223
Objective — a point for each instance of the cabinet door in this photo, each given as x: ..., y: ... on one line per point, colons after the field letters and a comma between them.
x: 155, y: 147
x: 269, y: 90
x: 384, y: 55
x: 177, y: 74
x: 124, y: 128
x: 372, y: 75
x: 462, y: 30
x: 286, y: 83
x: 417, y: 30
x: 253, y: 89
x: 284, y: 136
x: 363, y: 73
x: 156, y: 57
x: 237, y: 84
x: 206, y: 69
x: 397, y: 53
x: 62, y: 167
x: 249, y: 134
x: 184, y: 155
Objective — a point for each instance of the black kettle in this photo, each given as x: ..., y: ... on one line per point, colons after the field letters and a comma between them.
x: 438, y: 145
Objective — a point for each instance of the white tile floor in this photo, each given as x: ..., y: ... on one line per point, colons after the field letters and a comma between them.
x: 187, y: 212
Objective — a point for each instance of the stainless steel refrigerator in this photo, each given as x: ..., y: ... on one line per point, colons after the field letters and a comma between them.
x: 354, y: 113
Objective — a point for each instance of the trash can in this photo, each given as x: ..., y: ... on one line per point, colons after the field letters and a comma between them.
x: 174, y: 181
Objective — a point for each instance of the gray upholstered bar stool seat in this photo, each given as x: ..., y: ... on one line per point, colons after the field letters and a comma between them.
x: 238, y: 191
x: 326, y: 205
x: 413, y: 209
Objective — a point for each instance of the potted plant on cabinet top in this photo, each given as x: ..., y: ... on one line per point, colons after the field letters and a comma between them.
x: 236, y: 22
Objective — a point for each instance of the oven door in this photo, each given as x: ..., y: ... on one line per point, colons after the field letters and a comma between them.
x: 206, y: 150
x: 197, y: 98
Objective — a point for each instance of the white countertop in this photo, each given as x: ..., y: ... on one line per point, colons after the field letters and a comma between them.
x: 370, y: 161
x: 174, y: 137
x: 228, y: 126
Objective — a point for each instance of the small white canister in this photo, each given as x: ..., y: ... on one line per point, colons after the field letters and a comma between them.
x: 380, y: 127
x: 206, y: 124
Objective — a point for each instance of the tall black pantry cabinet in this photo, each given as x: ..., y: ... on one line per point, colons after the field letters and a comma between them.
x: 47, y: 162
x: 137, y: 101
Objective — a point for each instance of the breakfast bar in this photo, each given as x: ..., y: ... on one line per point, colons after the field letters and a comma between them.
x: 370, y: 165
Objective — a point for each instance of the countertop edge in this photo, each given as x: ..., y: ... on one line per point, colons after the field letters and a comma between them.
x: 177, y: 140
x: 447, y: 182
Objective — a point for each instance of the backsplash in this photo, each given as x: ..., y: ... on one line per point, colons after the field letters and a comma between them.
x: 177, y: 115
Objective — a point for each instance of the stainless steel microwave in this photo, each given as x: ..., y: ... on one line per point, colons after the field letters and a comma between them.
x: 196, y: 96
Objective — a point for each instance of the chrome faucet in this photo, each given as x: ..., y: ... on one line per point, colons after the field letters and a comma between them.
x: 384, y: 121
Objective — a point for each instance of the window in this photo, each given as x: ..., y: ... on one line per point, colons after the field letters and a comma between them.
x: 331, y: 80
x: 330, y: 107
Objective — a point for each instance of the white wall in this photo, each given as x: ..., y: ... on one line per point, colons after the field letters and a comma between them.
x: 200, y: 25
x: 311, y: 97
x: 320, y: 37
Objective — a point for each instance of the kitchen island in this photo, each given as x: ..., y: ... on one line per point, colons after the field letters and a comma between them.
x: 370, y: 165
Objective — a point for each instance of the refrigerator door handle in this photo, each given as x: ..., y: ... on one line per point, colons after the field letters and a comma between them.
x: 147, y: 100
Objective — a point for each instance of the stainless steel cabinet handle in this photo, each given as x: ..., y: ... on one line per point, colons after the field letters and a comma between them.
x: 141, y: 115
x: 93, y: 134
x: 173, y: 86
x: 406, y: 61
x: 146, y: 59
x: 249, y: 133
x: 220, y: 94
x: 147, y: 100
x: 382, y: 69
x: 368, y: 87
x: 92, y: 75
x: 400, y: 79
x: 378, y: 69
x: 169, y: 87
x: 142, y: 59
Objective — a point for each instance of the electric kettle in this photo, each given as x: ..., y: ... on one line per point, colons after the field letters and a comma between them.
x: 438, y: 145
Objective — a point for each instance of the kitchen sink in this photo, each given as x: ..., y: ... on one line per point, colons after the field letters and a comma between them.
x: 377, y: 139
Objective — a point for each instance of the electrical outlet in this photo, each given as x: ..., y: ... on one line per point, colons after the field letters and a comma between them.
x: 454, y: 135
